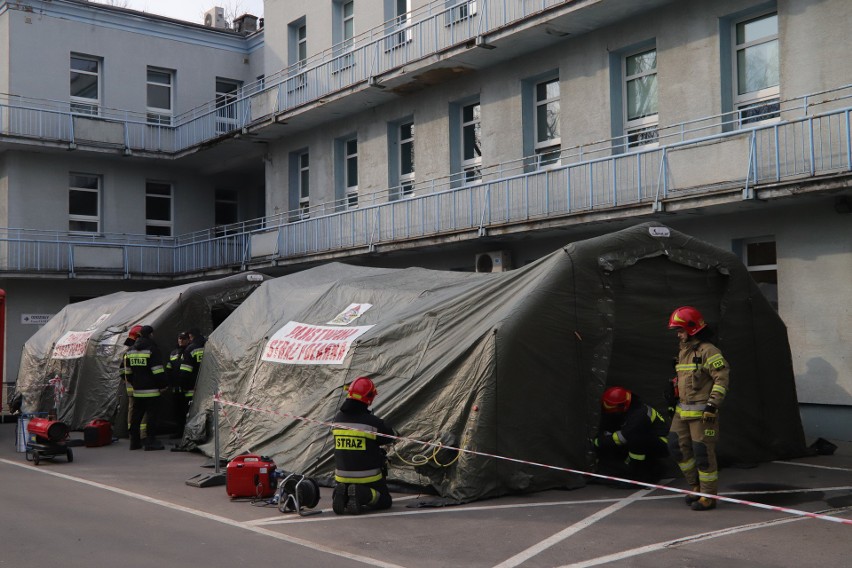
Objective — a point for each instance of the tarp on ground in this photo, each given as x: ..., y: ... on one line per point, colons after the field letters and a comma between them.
x: 507, y: 364
x: 71, y: 365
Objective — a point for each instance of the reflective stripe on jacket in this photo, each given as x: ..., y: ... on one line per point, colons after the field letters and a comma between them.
x: 702, y: 377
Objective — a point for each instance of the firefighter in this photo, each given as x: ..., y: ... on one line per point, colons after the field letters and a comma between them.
x: 173, y: 374
x: 189, y: 365
x: 360, y: 468
x: 144, y: 370
x: 632, y: 433
x: 132, y: 336
x: 702, y: 383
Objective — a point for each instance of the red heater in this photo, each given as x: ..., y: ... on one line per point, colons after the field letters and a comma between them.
x: 46, y: 439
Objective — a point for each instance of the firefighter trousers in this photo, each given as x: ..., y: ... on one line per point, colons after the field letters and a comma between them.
x: 692, y: 443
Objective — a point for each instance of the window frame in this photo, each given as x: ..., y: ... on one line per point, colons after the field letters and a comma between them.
x: 350, y: 190
x: 406, y: 180
x: 471, y: 167
x: 82, y: 218
x: 85, y: 105
x: 153, y: 223
x: 547, y: 152
x: 303, y: 162
x: 226, y: 105
x: 400, y: 25
x: 765, y: 97
x: 155, y: 115
x: 771, y: 268
x: 644, y: 130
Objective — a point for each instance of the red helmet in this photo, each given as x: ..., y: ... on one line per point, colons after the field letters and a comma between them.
x: 134, y: 332
x: 616, y: 399
x: 687, y: 318
x: 362, y: 389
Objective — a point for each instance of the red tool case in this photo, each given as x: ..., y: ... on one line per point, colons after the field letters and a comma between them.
x: 97, y: 433
x: 250, y: 476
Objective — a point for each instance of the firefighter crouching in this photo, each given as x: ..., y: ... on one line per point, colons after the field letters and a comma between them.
x: 360, y: 468
x: 702, y: 383
x: 633, y: 435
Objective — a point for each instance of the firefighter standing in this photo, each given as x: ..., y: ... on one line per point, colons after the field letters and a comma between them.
x: 144, y: 370
x: 189, y: 365
x: 360, y: 469
x: 633, y: 433
x: 173, y: 374
x: 132, y: 336
x: 702, y: 383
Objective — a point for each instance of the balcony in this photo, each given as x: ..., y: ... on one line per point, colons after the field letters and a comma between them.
x: 711, y: 160
x: 383, y: 57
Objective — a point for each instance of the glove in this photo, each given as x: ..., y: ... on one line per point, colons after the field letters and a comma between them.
x: 709, y: 414
x: 604, y: 440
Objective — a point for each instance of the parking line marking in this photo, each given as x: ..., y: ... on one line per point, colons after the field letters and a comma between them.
x: 224, y: 520
x: 570, y: 531
x: 814, y: 466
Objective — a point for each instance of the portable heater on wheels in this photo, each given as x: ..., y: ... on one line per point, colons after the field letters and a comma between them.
x: 46, y: 439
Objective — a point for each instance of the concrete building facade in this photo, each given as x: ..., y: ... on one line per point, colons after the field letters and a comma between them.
x: 453, y: 134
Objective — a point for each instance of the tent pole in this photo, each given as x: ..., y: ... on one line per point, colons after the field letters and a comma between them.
x: 217, y: 477
x: 216, y: 432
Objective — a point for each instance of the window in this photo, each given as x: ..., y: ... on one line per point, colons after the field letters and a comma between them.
x: 640, y: 98
x: 547, y: 131
x: 159, y: 106
x: 760, y: 259
x: 158, y: 209
x: 406, y: 159
x: 756, y: 69
x: 85, y: 85
x: 227, y: 207
x: 471, y: 159
x: 227, y: 92
x: 298, y: 54
x: 401, y: 30
x: 345, y: 35
x: 350, y: 171
x: 304, y: 185
x: 84, y: 203
x: 460, y: 10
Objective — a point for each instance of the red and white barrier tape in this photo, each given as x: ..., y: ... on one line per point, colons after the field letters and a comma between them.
x: 796, y: 512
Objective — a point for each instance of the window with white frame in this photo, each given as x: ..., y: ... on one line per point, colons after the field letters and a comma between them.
x: 471, y: 146
x: 304, y: 184
x: 84, y: 203
x: 760, y: 258
x: 406, y: 159
x: 298, y: 54
x: 227, y: 93
x: 756, y: 69
x: 460, y: 10
x: 159, y: 105
x: 158, y: 209
x: 344, y: 34
x: 401, y: 24
x: 547, y: 129
x: 350, y: 171
x: 85, y: 89
x: 640, y: 98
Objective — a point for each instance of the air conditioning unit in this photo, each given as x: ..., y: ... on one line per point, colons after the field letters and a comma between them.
x: 215, y: 18
x: 497, y: 261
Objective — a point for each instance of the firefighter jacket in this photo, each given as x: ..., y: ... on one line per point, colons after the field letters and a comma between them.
x: 640, y: 426
x: 358, y: 457
x: 143, y: 368
x: 702, y: 378
x: 173, y: 367
x: 190, y: 363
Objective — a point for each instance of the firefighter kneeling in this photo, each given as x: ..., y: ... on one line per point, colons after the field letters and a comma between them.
x: 633, y: 437
x: 360, y: 466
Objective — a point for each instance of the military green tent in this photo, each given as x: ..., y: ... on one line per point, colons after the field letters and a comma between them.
x: 511, y: 364
x: 71, y: 365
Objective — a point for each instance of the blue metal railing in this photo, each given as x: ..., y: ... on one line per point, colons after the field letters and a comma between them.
x: 805, y: 147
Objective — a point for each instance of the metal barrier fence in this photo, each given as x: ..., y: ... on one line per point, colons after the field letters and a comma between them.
x: 796, y: 149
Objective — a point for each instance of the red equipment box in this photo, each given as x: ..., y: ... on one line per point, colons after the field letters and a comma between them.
x: 250, y: 476
x: 97, y: 433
